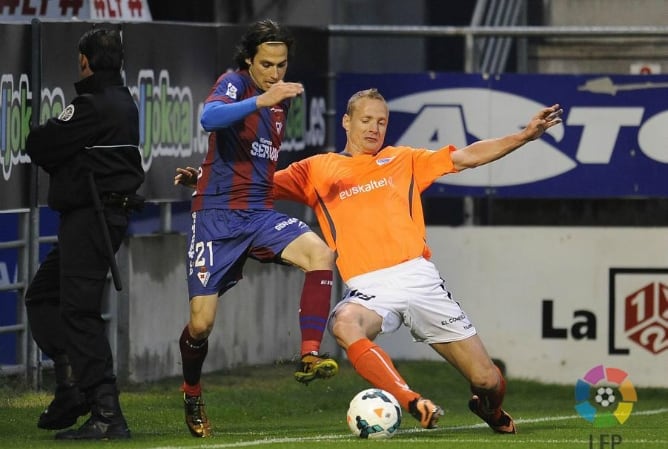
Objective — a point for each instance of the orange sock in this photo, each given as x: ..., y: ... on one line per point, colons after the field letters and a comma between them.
x: 374, y: 365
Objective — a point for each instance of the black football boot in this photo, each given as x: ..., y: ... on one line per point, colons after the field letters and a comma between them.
x: 106, y: 420
x: 68, y: 403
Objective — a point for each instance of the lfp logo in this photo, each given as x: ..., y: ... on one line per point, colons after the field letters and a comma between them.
x: 605, y: 396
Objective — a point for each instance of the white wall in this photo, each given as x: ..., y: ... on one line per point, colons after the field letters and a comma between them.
x: 256, y: 323
x: 502, y: 276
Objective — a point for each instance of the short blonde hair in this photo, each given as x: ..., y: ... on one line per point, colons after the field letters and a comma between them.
x: 371, y: 94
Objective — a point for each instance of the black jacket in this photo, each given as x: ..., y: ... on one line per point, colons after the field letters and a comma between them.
x: 97, y: 133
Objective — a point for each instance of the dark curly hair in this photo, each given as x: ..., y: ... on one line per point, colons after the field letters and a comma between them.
x: 258, y: 33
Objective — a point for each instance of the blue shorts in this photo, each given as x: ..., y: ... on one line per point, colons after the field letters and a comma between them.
x: 220, y: 241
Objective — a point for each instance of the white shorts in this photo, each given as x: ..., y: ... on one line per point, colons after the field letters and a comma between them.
x: 411, y: 293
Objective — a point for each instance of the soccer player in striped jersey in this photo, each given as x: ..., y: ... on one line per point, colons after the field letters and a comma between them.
x: 232, y: 210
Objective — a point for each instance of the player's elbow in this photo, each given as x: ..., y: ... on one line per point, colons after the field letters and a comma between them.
x: 471, y: 157
x: 207, y: 123
x: 213, y: 118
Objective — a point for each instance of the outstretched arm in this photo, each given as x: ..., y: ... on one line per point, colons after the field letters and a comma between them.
x: 488, y: 150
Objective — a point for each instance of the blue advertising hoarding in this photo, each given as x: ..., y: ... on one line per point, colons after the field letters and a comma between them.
x: 613, y: 142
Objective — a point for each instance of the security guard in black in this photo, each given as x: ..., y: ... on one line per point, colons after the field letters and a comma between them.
x: 97, y: 133
x: 91, y: 153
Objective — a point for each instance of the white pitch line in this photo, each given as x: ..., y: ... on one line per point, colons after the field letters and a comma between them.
x: 556, y: 418
x: 265, y: 441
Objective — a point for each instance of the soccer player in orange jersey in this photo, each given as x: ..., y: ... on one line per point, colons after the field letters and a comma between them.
x: 367, y: 201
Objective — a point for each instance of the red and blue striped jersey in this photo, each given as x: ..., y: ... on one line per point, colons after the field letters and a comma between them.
x: 238, y: 170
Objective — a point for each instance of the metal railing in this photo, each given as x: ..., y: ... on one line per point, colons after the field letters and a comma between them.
x: 20, y: 328
x: 492, y: 52
x: 472, y: 32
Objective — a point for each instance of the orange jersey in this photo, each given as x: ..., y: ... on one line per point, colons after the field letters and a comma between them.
x: 368, y: 206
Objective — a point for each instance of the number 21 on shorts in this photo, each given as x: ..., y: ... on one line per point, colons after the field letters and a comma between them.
x: 203, y: 251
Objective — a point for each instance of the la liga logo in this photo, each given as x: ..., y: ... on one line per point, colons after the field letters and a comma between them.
x: 605, y: 396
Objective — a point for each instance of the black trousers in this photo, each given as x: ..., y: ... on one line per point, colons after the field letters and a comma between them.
x: 64, y: 300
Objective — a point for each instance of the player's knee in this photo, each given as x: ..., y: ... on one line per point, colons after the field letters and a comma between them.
x: 340, y: 321
x: 200, y: 327
x: 346, y: 316
x: 328, y: 259
x: 337, y: 328
x: 341, y: 332
x: 348, y: 325
x: 322, y: 257
x: 486, y: 379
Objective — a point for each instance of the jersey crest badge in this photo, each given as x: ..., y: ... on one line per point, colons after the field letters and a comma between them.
x: 384, y: 160
x: 231, y: 91
x: 203, y: 276
x: 67, y: 113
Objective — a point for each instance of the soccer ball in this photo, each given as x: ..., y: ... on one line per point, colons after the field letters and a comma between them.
x: 374, y: 414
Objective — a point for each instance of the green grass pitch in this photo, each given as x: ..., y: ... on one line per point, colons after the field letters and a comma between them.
x: 263, y: 407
